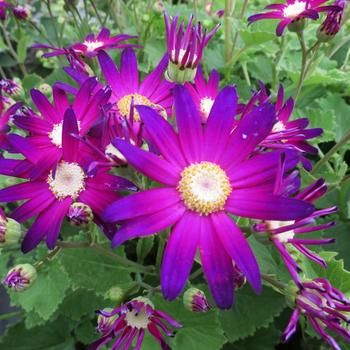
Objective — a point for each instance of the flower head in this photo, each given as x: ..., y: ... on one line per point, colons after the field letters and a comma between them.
x: 20, y: 277
x: 130, y: 321
x: 207, y: 172
x: 185, y: 47
x: 91, y: 45
x: 10, y: 230
x: 293, y: 11
x: 195, y: 300
x: 204, y: 93
x: 288, y: 235
x: 325, y: 307
x: 21, y: 12
x: 10, y: 87
x: 153, y: 91
x: 53, y: 185
x: 332, y: 24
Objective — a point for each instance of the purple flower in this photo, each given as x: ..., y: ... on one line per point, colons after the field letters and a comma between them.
x: 204, y: 93
x: 207, y: 172
x: 91, y: 45
x: 287, y: 234
x: 185, y: 47
x: 80, y: 214
x: 3, y: 6
x: 153, y: 91
x: 21, y: 12
x: 10, y: 87
x: 324, y: 306
x: 50, y: 191
x: 130, y: 321
x: 291, y: 11
x: 195, y: 300
x: 20, y: 277
x: 331, y: 25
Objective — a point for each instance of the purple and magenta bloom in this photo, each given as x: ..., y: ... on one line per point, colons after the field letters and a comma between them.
x: 325, y: 307
x: 20, y: 277
x: 287, y: 235
x: 10, y: 87
x: 153, y: 91
x: 208, y: 172
x: 49, y: 193
x: 131, y: 321
x: 204, y: 92
x: 195, y: 300
x: 91, y: 45
x: 185, y: 47
x: 20, y: 12
x: 332, y: 24
x: 3, y: 6
x: 291, y: 11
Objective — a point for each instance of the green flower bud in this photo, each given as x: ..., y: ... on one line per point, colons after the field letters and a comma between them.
x: 115, y: 294
x: 195, y: 300
x: 178, y: 75
x: 21, y: 277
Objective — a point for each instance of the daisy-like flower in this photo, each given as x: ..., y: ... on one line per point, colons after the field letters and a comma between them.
x: 50, y: 195
x: 3, y: 6
x: 287, y: 235
x: 204, y: 93
x: 46, y: 128
x: 293, y: 11
x: 153, y: 91
x: 91, y: 45
x: 332, y: 24
x: 325, y: 307
x: 185, y: 47
x: 206, y: 175
x: 131, y: 321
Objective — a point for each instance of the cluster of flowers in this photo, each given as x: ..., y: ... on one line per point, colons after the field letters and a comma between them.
x: 223, y: 159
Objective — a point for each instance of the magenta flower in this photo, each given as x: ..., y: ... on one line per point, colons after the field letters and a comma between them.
x: 3, y: 6
x: 204, y: 93
x: 46, y: 128
x: 195, y: 300
x: 91, y: 45
x: 153, y: 91
x: 131, y: 321
x: 21, y: 12
x: 292, y: 11
x: 10, y: 87
x: 50, y: 193
x: 206, y: 174
x: 291, y: 233
x: 185, y: 47
x: 20, y: 277
x: 325, y: 307
x: 331, y: 25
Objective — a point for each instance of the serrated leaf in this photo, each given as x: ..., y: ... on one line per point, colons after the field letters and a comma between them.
x: 22, y: 48
x: 46, y: 293
x: 256, y: 38
x: 251, y: 312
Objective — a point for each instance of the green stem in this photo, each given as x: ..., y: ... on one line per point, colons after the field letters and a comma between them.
x: 229, y: 6
x: 235, y: 38
x: 196, y: 274
x: 271, y: 280
x: 331, y: 152
x: 276, y: 63
x: 48, y: 5
x: 11, y: 315
x: 304, y: 54
x: 97, y: 13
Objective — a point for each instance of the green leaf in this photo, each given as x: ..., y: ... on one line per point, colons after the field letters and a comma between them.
x: 22, y: 48
x: 92, y: 270
x: 251, y: 312
x: 54, y: 336
x: 30, y: 81
x: 256, y: 38
x: 46, y: 293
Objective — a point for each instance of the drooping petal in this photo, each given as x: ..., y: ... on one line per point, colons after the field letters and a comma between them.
x: 238, y: 248
x: 179, y: 254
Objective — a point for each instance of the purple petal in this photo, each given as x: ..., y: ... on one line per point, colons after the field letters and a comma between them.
x: 179, y: 255
x: 128, y: 70
x: 44, y: 106
x: 70, y: 145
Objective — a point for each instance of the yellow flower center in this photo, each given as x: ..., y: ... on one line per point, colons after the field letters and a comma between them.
x: 204, y: 187
x: 68, y: 180
x: 136, y: 319
x: 125, y: 102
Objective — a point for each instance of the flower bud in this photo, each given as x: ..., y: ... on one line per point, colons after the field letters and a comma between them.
x: 177, y: 74
x: 104, y: 323
x: 80, y: 214
x: 21, y: 277
x: 45, y: 89
x: 115, y: 294
x: 11, y: 87
x: 195, y: 300
x: 159, y: 6
x: 10, y: 230
x: 20, y: 12
x: 297, y: 26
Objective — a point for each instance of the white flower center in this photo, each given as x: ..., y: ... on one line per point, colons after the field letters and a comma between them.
x: 284, y: 236
x: 204, y: 187
x: 206, y: 105
x: 68, y: 180
x: 93, y: 45
x: 279, y: 126
x: 56, y: 134
x: 113, y: 151
x: 136, y: 319
x: 295, y: 9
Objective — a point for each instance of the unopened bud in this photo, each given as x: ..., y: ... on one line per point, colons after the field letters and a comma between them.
x: 297, y: 26
x: 20, y: 12
x: 80, y: 214
x: 195, y: 300
x: 115, y: 294
x: 180, y: 75
x: 10, y: 230
x: 21, y: 277
x: 45, y: 89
